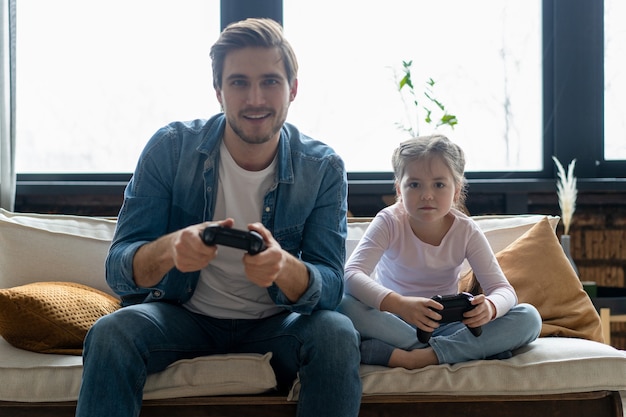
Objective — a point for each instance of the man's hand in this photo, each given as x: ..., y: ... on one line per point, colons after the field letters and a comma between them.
x: 275, y: 265
x: 182, y: 249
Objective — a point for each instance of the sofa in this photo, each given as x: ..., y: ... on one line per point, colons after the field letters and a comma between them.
x: 52, y: 289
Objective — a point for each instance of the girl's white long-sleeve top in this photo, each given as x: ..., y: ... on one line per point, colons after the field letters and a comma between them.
x: 389, y: 257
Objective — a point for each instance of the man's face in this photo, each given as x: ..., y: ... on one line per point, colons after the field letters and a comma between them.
x: 255, y: 94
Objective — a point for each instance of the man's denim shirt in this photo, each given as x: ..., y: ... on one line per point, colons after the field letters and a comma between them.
x: 175, y: 184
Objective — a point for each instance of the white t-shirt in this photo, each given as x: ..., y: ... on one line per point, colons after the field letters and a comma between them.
x: 223, y: 290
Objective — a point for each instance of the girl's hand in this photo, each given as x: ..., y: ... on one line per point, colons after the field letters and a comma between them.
x: 482, y: 314
x: 415, y: 310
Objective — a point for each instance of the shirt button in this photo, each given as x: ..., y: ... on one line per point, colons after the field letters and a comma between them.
x: 267, y: 209
x: 156, y: 293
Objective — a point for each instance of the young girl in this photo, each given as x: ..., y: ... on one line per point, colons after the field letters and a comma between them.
x: 416, y: 247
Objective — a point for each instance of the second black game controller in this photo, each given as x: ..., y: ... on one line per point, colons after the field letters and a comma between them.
x: 248, y: 240
x: 453, y: 308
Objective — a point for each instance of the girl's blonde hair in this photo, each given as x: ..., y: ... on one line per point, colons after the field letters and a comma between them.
x: 424, y: 148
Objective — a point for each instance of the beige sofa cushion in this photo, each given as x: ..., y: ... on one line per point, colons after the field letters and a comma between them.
x: 34, y: 377
x: 549, y: 365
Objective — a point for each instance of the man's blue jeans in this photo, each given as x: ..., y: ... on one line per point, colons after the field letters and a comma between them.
x: 122, y: 348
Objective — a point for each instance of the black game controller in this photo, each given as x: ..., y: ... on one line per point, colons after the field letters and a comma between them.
x: 248, y: 240
x: 453, y: 308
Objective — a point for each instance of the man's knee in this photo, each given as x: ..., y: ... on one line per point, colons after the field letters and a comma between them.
x: 114, y: 331
x: 336, y: 330
x: 103, y: 333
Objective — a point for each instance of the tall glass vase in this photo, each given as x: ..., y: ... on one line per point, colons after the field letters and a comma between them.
x: 566, y: 245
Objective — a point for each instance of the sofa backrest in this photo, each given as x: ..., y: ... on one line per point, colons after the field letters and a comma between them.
x: 54, y: 247
x: 42, y: 247
x: 500, y: 230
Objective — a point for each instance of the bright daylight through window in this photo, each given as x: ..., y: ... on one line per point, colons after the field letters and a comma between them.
x: 487, y: 72
x: 95, y: 80
x: 92, y: 90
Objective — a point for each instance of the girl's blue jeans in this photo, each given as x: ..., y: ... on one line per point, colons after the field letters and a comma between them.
x: 122, y: 348
x: 451, y: 342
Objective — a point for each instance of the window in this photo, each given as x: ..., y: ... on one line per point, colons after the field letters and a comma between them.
x: 614, y: 80
x: 96, y: 79
x: 487, y: 72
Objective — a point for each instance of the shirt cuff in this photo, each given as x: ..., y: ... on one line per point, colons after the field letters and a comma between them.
x: 307, y: 301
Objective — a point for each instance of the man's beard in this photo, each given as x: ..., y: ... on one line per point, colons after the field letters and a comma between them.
x: 257, y: 139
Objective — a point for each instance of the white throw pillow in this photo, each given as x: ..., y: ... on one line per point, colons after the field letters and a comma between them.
x: 356, y: 230
x: 53, y: 247
x: 501, y: 230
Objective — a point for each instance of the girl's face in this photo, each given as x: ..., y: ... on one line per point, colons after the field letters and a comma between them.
x: 427, y: 189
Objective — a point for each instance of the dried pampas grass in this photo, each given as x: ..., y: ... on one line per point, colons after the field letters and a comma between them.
x: 567, y: 192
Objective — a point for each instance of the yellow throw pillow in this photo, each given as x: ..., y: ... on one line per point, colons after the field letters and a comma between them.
x: 536, y: 266
x: 51, y: 317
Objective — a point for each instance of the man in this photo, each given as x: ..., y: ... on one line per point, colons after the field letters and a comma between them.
x: 247, y: 169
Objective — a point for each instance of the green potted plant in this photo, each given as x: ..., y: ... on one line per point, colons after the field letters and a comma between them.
x: 418, y: 103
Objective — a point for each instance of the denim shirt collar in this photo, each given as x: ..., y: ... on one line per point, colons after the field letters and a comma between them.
x: 215, y: 133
